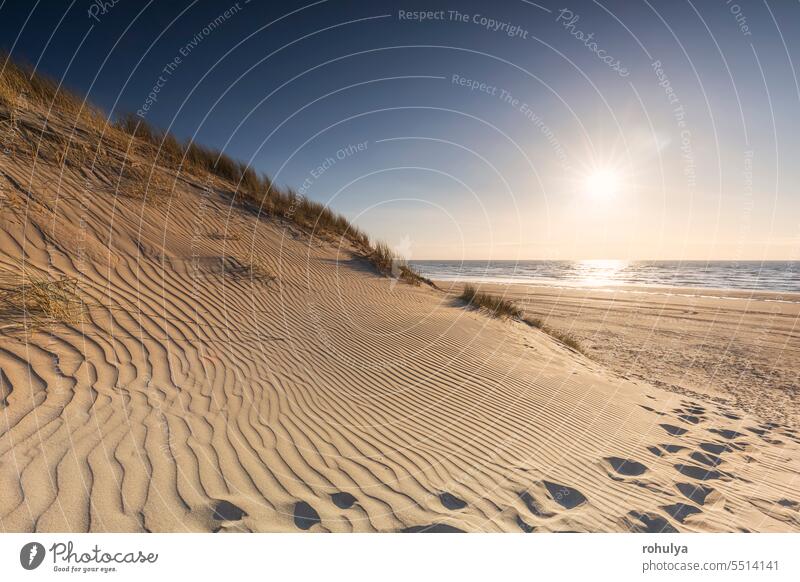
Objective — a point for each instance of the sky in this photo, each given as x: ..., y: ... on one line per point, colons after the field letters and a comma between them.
x: 652, y: 129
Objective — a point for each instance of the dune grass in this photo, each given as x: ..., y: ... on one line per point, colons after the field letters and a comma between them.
x: 19, y: 84
x: 412, y: 277
x: 148, y: 150
x: 503, y: 308
x: 497, y: 306
x: 382, y: 257
x: 251, y: 189
x: 21, y: 87
x: 389, y: 263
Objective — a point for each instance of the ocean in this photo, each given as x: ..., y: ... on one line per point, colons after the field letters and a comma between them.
x: 778, y: 276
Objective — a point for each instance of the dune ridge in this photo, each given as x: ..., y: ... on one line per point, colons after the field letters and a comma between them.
x: 232, y: 372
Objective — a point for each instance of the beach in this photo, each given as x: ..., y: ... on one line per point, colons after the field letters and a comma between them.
x: 176, y: 359
x: 303, y: 268
x: 195, y: 396
x: 736, y: 347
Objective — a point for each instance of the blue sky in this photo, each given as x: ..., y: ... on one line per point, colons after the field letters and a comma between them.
x: 620, y: 130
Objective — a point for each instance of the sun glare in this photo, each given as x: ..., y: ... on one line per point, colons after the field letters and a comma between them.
x: 602, y: 183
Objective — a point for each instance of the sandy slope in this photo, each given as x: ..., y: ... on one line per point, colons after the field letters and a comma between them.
x: 196, y: 397
x: 739, y: 348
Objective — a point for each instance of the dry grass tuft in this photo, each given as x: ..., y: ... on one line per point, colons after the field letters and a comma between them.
x: 382, y: 258
x: 21, y: 86
x: 388, y: 263
x: 497, y: 306
x: 34, y: 302
x: 412, y: 277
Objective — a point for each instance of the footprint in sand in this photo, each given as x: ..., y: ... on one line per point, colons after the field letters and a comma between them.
x: 690, y: 414
x: 673, y: 430
x: 757, y: 431
x: 452, y: 502
x: 695, y: 409
x: 227, y: 511
x: 626, y: 467
x: 343, y: 500
x: 566, y: 497
x: 665, y: 448
x: 726, y: 433
x: 706, y: 459
x: 698, y: 493
x: 715, y: 448
x: 680, y: 511
x: 653, y: 410
x: 699, y: 473
x: 771, y: 441
x: 639, y: 522
x: 672, y: 448
x: 533, y: 506
x: 305, y: 516
x: 527, y: 528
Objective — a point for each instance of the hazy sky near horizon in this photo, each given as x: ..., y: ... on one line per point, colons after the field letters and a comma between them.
x: 507, y: 130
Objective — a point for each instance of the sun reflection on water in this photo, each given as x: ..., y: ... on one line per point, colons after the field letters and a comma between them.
x: 599, y: 272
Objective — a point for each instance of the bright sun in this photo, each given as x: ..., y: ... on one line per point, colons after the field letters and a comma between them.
x: 602, y: 183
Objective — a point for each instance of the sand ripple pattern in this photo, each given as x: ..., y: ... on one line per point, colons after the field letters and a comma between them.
x: 197, y: 397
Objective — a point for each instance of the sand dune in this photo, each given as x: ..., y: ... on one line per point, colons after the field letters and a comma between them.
x: 739, y: 348
x: 312, y: 394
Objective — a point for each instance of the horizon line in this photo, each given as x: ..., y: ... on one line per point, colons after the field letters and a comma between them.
x: 794, y: 260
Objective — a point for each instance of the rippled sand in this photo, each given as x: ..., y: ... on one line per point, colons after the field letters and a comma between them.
x: 311, y: 394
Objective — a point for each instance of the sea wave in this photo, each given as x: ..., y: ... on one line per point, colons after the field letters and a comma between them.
x: 775, y: 276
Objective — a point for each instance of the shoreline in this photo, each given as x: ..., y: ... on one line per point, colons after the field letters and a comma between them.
x: 641, y: 288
